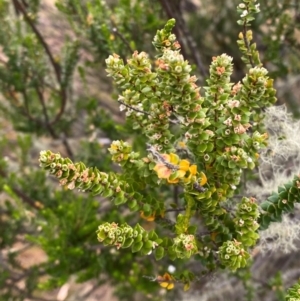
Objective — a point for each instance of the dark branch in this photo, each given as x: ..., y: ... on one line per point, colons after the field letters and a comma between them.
x: 118, y: 34
x: 247, y: 44
x: 183, y: 34
x: 56, y: 66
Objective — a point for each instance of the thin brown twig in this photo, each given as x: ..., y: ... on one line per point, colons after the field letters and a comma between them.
x: 45, y: 113
x: 175, y: 209
x: 48, y: 125
x: 167, y: 221
x: 92, y: 290
x: 29, y: 21
x: 176, y: 194
x: 67, y: 146
x: 56, y: 66
x: 27, y: 111
x: 183, y: 34
x: 247, y: 44
x: 25, y: 198
x: 117, y: 33
x: 132, y: 108
x: 191, y: 44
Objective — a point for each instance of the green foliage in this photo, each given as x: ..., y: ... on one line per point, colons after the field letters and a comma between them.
x: 182, y: 166
x: 279, y: 203
x: 112, y: 27
x: 293, y: 293
x: 166, y: 105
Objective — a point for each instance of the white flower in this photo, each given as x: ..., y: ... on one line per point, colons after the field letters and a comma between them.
x: 122, y: 107
x: 233, y: 103
x: 171, y: 269
x: 228, y: 122
x: 244, y: 14
x: 128, y: 113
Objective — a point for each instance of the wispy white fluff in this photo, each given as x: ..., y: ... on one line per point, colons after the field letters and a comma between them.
x: 279, y: 163
x: 280, y: 237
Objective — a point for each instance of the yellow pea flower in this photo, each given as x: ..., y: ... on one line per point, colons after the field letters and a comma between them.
x: 184, y: 165
x: 166, y: 281
x: 149, y: 218
x: 203, y: 177
x: 183, y: 169
x: 163, y: 172
x: 193, y: 169
x: 173, y: 158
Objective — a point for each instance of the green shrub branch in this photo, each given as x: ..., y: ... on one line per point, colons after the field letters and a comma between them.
x: 198, y: 143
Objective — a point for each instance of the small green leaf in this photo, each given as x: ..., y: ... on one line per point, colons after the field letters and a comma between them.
x: 159, y: 253
x: 152, y: 235
x: 186, y: 286
x: 107, y: 193
x: 203, y: 136
x: 147, y: 208
x: 172, y: 254
x: 136, y: 246
x: 127, y: 243
x: 97, y: 189
x: 119, y: 201
x: 132, y: 204
x: 265, y: 205
x: 192, y: 229
x: 209, y: 147
x: 151, y: 165
x: 231, y: 164
x: 146, y: 89
x: 139, y: 238
x: 202, y: 147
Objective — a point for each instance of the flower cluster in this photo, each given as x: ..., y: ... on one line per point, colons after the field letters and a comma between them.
x: 184, y: 246
x: 79, y: 176
x: 257, y: 89
x: 248, y: 9
x: 121, y: 151
x: 164, y: 39
x: 233, y: 255
x: 125, y: 236
x: 166, y: 281
x: 246, y: 222
x: 173, y: 169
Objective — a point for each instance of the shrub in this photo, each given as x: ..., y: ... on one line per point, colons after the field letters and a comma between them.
x: 183, y: 168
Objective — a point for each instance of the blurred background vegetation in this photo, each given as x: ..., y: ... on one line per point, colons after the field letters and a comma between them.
x: 54, y: 94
